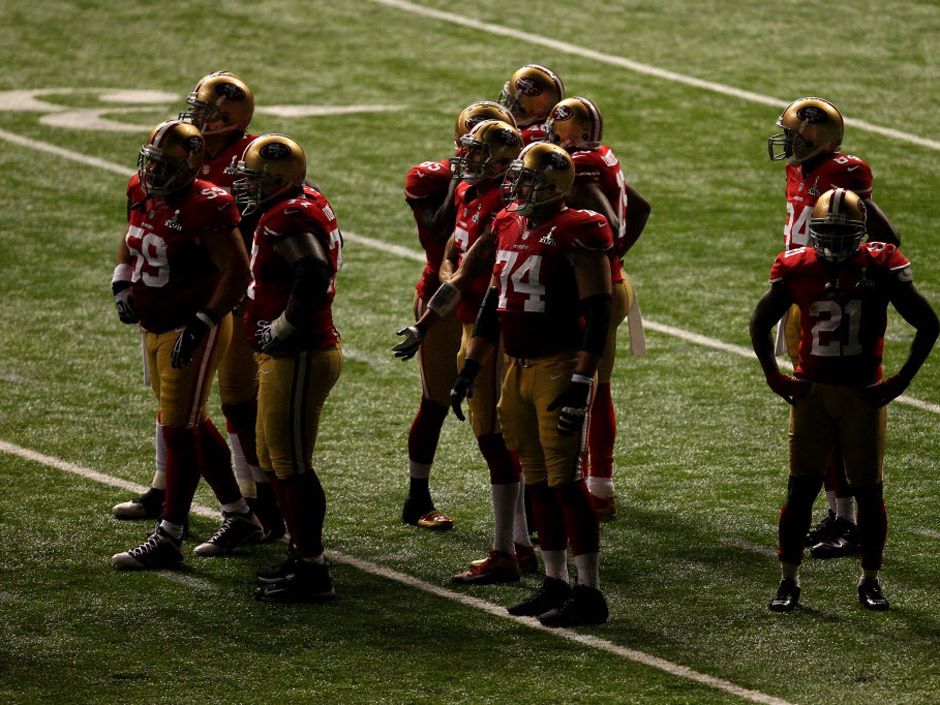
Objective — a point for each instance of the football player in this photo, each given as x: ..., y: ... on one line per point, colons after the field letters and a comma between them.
x: 549, y: 303
x: 429, y: 192
x: 221, y: 105
x: 530, y: 94
x: 838, y: 394
x: 576, y: 125
x: 181, y: 269
x: 295, y: 257
x: 486, y: 153
x: 812, y: 131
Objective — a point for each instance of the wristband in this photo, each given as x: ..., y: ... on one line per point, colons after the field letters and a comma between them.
x: 470, y: 368
x: 444, y: 299
x: 281, y: 327
x: 122, y: 273
x: 210, y: 318
x: 582, y: 378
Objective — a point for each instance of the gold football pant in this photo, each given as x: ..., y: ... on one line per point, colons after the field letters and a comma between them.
x: 182, y: 394
x: 486, y: 388
x: 831, y: 415
x: 291, y: 392
x: 437, y: 356
x: 238, y: 370
x: 530, y: 429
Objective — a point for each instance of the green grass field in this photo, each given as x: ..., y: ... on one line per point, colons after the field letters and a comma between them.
x: 688, y: 565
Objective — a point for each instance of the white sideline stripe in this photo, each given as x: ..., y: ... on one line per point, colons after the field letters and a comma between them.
x: 637, y: 67
x: 410, y: 581
x: 416, y: 256
x: 929, y: 533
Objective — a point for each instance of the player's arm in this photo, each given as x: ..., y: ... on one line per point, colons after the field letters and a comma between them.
x: 227, y: 252
x: 449, y: 260
x: 590, y: 197
x: 121, y: 285
x: 311, y: 273
x: 769, y: 310
x: 484, y: 341
x: 880, y: 228
x: 916, y: 310
x: 638, y: 212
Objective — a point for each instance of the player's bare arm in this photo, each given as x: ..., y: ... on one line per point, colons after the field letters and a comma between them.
x: 590, y: 197
x: 770, y: 308
x: 227, y: 251
x: 483, y: 343
x: 638, y: 213
x: 592, y: 274
x: 880, y: 228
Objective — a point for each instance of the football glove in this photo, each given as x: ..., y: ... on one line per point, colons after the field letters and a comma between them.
x: 792, y: 389
x: 463, y: 387
x: 270, y: 335
x: 190, y: 338
x: 573, y: 403
x: 123, y: 302
x: 885, y: 391
x: 407, y: 348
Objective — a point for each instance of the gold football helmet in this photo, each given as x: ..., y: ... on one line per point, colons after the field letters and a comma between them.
x: 837, y: 224
x: 543, y: 173
x: 530, y: 93
x: 221, y: 102
x: 171, y: 157
x: 476, y: 113
x: 272, y: 165
x: 811, y: 126
x: 487, y: 151
x: 575, y: 123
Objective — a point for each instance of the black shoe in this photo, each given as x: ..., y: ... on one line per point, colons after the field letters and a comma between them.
x: 585, y: 606
x: 238, y: 529
x: 787, y: 597
x: 149, y: 505
x: 160, y: 550
x: 299, y: 581
x: 551, y: 593
x: 822, y: 530
x: 842, y: 541
x: 269, y: 514
x: 870, y: 597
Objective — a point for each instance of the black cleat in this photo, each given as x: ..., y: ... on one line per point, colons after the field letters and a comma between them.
x: 296, y: 580
x: 149, y: 505
x: 822, y: 530
x: 842, y: 541
x: 421, y: 512
x: 870, y: 597
x: 238, y: 529
x: 552, y: 593
x: 787, y: 597
x: 159, y: 551
x: 585, y: 606
x: 269, y: 514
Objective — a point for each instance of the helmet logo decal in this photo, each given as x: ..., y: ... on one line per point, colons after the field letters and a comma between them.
x: 811, y: 114
x: 275, y: 151
x: 527, y: 86
x: 230, y: 91
x: 562, y: 112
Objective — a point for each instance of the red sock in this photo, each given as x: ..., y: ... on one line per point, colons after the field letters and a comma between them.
x: 426, y: 431
x: 240, y: 419
x: 504, y: 470
x: 182, y: 472
x: 549, y: 521
x: 579, y: 516
x: 303, y: 502
x: 602, y: 431
x: 796, y: 515
x: 872, y: 526
x: 215, y: 463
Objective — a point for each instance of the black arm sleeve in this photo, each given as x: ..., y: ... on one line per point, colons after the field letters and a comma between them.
x: 487, y: 325
x: 596, y: 312
x: 311, y: 281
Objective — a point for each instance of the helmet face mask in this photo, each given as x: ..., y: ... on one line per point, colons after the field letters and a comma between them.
x: 543, y: 174
x: 220, y: 103
x: 837, y: 225
x: 530, y: 94
x: 170, y: 159
x: 271, y: 166
x: 810, y: 126
x: 487, y: 151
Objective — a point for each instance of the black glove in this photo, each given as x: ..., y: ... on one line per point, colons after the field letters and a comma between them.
x: 573, y: 403
x: 463, y: 386
x: 123, y: 302
x: 407, y: 348
x: 270, y: 335
x: 190, y: 338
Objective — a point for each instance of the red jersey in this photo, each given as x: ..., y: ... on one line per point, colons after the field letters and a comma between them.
x: 804, y: 187
x: 220, y: 170
x: 476, y: 205
x: 427, y: 183
x: 538, y: 306
x: 534, y: 133
x: 173, y: 274
x: 600, y: 166
x: 272, y: 278
x: 843, y: 310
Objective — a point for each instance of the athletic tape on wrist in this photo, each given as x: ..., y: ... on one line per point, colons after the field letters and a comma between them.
x: 444, y: 299
x: 122, y: 273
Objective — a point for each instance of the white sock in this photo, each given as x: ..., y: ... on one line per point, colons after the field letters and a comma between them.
x: 831, y: 498
x: 243, y: 476
x: 239, y: 507
x: 258, y: 474
x: 319, y: 560
x: 845, y: 508
x: 419, y: 471
x: 504, y: 511
x: 867, y: 575
x: 602, y: 487
x: 159, y: 475
x: 589, y: 569
x: 556, y: 564
x: 174, y: 530
x: 791, y: 571
x: 520, y: 529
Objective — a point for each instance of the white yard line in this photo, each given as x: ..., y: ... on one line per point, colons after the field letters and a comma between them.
x: 636, y: 66
x: 593, y: 642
